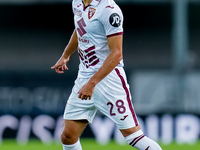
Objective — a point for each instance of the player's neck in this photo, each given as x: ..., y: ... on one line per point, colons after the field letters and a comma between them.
x: 87, y: 2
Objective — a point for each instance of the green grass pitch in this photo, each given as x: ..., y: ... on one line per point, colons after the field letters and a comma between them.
x: 87, y: 144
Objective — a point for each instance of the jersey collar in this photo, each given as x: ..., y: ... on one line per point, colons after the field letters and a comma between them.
x: 95, y: 2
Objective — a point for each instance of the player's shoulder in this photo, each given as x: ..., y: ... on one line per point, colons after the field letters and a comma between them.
x: 75, y: 2
x: 106, y: 2
x: 109, y: 5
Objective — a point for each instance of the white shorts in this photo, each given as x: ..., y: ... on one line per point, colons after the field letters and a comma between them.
x: 111, y: 97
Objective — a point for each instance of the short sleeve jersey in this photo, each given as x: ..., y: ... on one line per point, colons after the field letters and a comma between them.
x: 95, y: 23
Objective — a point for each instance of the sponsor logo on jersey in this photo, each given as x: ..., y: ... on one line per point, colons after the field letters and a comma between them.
x: 109, y: 7
x: 83, y: 40
x: 115, y: 20
x: 77, y: 12
x: 124, y: 118
x: 79, y: 5
x: 91, y: 12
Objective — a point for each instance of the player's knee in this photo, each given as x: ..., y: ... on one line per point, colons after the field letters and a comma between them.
x: 67, y: 138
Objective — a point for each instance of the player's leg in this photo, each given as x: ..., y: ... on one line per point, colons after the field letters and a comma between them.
x: 76, y: 116
x: 71, y: 132
x: 116, y: 104
x: 135, y: 137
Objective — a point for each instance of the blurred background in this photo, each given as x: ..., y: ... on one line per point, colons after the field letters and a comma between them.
x: 161, y: 56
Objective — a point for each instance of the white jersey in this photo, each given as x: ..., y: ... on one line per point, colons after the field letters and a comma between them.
x: 94, y: 24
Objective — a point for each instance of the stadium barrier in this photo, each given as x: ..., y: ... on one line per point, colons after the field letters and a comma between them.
x: 166, y: 128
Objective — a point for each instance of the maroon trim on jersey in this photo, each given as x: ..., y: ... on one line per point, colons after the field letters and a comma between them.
x: 85, y: 7
x: 92, y: 3
x: 128, y: 96
x: 135, y: 140
x: 89, y: 57
x: 90, y: 48
x: 87, y: 51
x: 119, y: 33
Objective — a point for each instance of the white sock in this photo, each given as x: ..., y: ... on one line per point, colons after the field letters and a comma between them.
x: 141, y: 142
x: 75, y: 146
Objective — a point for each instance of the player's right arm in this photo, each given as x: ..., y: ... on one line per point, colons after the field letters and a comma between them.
x: 71, y: 47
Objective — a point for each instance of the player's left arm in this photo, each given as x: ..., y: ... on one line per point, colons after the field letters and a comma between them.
x: 113, y: 59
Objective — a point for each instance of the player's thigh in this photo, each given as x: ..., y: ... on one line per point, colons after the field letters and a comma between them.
x: 114, y: 100
x: 77, y: 109
x: 72, y: 130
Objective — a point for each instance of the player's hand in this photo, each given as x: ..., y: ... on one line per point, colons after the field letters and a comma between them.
x: 86, y: 91
x: 60, y: 66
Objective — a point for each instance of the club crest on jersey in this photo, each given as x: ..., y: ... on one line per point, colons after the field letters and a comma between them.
x: 91, y: 12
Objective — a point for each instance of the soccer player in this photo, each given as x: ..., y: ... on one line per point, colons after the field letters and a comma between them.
x: 101, y: 83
